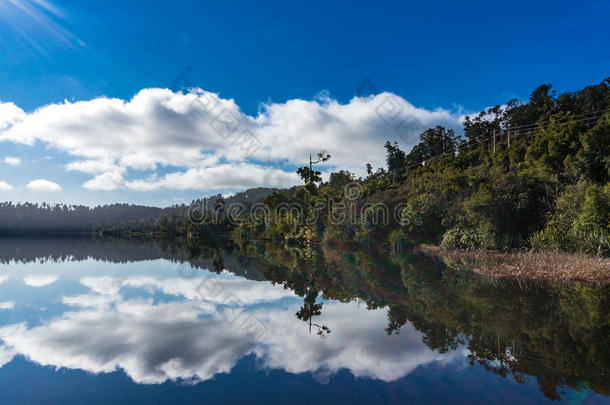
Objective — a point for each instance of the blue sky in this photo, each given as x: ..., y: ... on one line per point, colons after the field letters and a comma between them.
x: 307, y: 61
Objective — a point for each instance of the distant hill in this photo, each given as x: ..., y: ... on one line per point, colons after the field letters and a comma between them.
x: 247, y: 198
x: 69, y: 219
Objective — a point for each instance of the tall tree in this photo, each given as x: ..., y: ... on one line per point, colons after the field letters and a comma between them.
x: 395, y: 158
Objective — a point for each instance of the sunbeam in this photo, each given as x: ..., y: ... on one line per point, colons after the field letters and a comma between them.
x: 35, y: 23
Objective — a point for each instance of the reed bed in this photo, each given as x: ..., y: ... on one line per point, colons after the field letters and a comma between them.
x: 530, y: 265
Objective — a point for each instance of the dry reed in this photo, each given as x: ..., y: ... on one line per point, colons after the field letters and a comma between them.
x: 530, y: 265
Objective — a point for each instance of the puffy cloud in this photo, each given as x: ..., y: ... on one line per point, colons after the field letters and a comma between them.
x: 43, y: 185
x: 106, y: 181
x: 188, y: 339
x: 13, y: 161
x: 91, y: 166
x: 7, y: 305
x: 40, y: 280
x: 6, y: 355
x: 353, y: 133
x: 165, y: 342
x: 210, y: 289
x: 206, y: 142
x: 10, y: 114
x: 233, y: 176
x: 4, y: 186
x: 236, y: 176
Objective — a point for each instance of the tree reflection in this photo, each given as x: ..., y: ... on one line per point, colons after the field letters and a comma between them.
x: 308, y: 310
x: 557, y: 333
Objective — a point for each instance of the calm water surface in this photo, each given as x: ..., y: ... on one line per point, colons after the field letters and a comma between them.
x: 92, y: 322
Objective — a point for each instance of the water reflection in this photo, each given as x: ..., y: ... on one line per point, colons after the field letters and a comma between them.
x: 311, y: 309
x: 380, y: 316
x: 159, y: 329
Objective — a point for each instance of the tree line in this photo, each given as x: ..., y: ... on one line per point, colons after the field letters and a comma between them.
x: 523, y: 175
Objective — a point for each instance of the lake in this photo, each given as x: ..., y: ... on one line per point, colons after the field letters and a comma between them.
x: 84, y: 321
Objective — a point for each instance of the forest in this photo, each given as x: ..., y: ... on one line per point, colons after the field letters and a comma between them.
x: 531, y: 175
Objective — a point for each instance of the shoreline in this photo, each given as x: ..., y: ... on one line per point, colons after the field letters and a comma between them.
x: 554, y: 266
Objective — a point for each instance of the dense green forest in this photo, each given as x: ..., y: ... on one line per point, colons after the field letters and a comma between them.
x: 523, y: 175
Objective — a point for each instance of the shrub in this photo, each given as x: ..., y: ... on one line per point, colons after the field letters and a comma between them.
x: 465, y: 236
x: 581, y: 222
x: 399, y: 241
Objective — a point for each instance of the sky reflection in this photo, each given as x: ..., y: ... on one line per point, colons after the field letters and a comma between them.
x: 155, y: 326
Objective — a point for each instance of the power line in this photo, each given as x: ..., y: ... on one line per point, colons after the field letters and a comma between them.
x: 558, y: 119
x: 517, y: 131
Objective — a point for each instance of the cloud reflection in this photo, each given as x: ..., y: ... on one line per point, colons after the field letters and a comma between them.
x: 153, y: 341
x: 40, y: 280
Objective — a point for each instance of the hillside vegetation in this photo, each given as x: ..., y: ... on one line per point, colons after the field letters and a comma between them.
x: 533, y: 174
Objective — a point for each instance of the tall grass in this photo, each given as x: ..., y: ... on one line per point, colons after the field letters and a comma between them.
x: 530, y: 265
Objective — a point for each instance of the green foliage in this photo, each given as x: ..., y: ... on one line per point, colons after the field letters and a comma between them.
x: 338, y: 180
x: 422, y: 217
x: 433, y: 142
x: 595, y: 211
x: 594, y: 157
x: 309, y: 175
x: 396, y: 158
x: 463, y: 236
x: 399, y: 241
x: 581, y: 221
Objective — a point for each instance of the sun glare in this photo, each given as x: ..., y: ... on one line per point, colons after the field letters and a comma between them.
x: 36, y: 23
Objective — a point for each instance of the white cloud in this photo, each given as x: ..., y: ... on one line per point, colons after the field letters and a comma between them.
x: 6, y: 355
x: 4, y: 186
x: 91, y: 166
x: 10, y: 114
x: 242, y: 291
x: 43, y: 185
x: 3, y: 279
x: 13, y: 161
x: 236, y: 176
x: 188, y: 339
x: 189, y: 135
x: 106, y: 181
x: 7, y: 305
x: 40, y: 280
